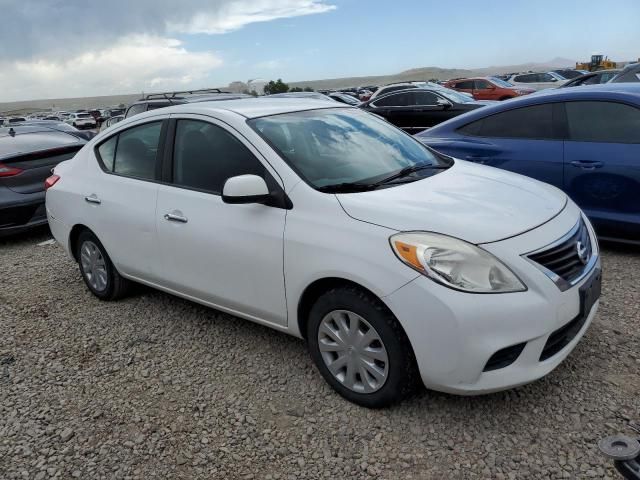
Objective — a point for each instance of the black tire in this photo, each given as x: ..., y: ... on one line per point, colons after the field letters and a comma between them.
x: 116, y: 285
x: 402, y: 377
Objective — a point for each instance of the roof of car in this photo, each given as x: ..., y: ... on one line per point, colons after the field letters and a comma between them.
x: 251, y: 107
x: 606, y: 91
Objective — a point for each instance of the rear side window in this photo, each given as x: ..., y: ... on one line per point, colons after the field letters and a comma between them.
x: 535, y: 122
x: 133, y: 152
x: 205, y: 156
x: 107, y: 151
x: 605, y: 122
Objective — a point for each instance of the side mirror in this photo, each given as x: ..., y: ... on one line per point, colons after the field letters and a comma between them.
x: 245, y: 189
x: 445, y: 104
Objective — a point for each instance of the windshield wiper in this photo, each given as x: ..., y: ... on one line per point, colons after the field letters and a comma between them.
x: 347, y: 187
x: 408, y: 171
x: 351, y: 187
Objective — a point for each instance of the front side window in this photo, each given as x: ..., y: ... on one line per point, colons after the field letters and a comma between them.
x: 605, y: 122
x: 421, y: 98
x: 535, y: 122
x: 136, y: 151
x: 206, y: 155
x: 466, y: 85
x: 523, y: 78
x: 482, y: 85
x: 337, y: 146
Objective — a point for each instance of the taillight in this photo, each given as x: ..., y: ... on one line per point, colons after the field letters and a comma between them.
x: 6, y: 171
x: 51, y: 181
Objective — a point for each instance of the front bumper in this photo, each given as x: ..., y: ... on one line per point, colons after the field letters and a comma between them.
x: 455, y: 334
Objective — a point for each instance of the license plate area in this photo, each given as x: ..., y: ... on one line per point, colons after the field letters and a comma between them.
x: 590, y: 292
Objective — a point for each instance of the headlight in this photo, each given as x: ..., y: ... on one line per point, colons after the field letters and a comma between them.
x: 455, y: 263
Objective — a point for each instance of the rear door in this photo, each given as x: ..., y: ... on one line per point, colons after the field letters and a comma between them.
x: 523, y: 140
x: 120, y: 197
x: 602, y: 165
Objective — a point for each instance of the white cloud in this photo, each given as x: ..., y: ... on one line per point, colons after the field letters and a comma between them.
x: 236, y: 14
x: 269, y: 65
x: 134, y: 64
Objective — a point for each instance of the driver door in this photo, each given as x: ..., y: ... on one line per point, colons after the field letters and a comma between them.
x: 227, y: 255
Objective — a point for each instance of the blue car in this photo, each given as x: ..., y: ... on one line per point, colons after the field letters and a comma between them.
x: 585, y: 141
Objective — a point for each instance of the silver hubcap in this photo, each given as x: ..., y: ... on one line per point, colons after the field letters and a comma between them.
x: 353, y: 351
x: 93, y: 265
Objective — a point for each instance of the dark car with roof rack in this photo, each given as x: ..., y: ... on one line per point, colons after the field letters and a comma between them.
x: 153, y: 101
x: 27, y: 155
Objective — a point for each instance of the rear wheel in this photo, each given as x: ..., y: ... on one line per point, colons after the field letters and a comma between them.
x: 360, y: 348
x: 98, y: 272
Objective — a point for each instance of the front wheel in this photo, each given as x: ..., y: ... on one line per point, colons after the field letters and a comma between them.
x: 98, y: 272
x: 360, y: 348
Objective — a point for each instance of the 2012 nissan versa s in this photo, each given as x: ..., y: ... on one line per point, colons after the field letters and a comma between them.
x: 393, y: 262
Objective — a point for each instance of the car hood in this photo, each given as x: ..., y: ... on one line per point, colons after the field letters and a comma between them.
x: 472, y: 202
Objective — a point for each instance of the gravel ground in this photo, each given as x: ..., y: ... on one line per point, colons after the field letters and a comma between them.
x: 159, y: 387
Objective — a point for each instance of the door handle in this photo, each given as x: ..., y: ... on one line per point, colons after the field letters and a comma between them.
x: 93, y: 198
x: 587, y: 164
x: 172, y: 217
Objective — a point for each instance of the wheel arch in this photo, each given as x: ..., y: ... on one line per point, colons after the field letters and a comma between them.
x: 74, y: 234
x: 319, y: 286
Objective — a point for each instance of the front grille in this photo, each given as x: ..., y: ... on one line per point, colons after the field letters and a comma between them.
x: 504, y: 358
x: 568, y: 257
x: 563, y: 336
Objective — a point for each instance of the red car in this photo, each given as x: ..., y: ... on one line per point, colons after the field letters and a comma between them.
x: 487, y: 88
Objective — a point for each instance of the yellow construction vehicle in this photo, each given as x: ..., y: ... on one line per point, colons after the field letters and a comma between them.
x: 598, y: 62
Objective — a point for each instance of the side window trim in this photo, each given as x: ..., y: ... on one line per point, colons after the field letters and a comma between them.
x: 159, y: 153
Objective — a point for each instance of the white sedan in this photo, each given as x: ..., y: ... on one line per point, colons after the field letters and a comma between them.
x: 393, y: 262
x: 81, y: 120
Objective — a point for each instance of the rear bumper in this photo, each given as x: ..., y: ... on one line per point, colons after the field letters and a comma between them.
x: 21, y: 212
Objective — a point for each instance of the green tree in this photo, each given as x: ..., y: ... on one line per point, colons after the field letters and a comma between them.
x: 254, y: 93
x: 276, y: 87
x: 309, y: 89
x: 296, y: 89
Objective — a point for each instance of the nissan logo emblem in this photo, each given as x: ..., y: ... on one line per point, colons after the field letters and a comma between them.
x: 583, y: 254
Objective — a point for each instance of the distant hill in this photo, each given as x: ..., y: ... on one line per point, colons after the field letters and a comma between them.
x: 424, y: 73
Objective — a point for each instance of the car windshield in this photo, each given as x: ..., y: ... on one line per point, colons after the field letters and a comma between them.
x: 348, y: 99
x: 556, y: 75
x: 83, y: 115
x: 337, y: 146
x: 500, y: 82
x: 454, y: 96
